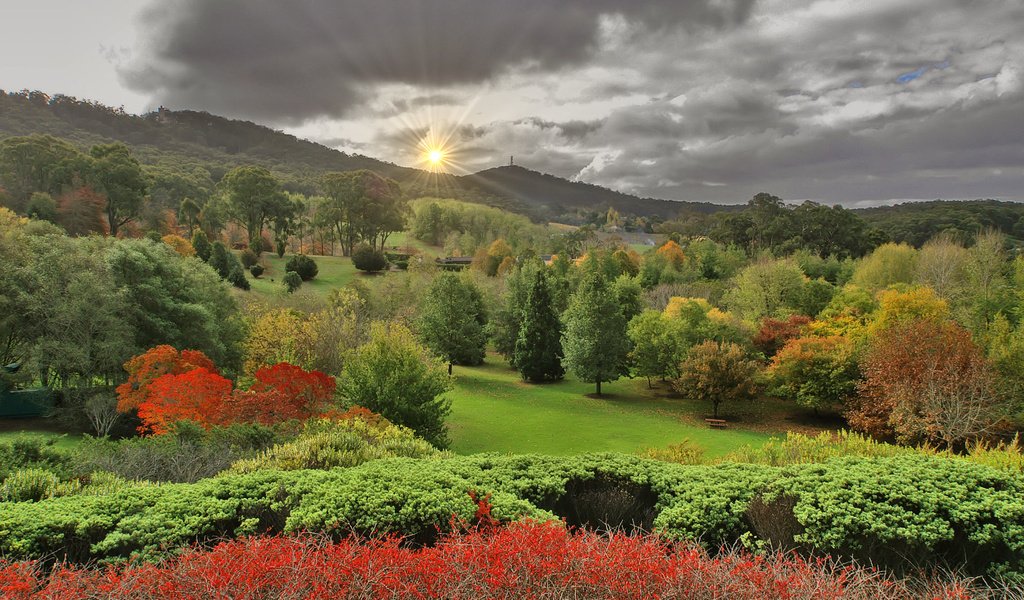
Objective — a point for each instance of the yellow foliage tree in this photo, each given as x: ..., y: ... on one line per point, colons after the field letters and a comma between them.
x: 274, y: 336
x: 673, y: 254
x: 179, y: 244
x: 900, y: 306
x: 677, y: 305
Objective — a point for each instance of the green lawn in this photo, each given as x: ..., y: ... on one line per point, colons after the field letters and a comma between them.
x: 65, y: 441
x: 335, y: 272
x: 493, y: 410
x: 404, y: 239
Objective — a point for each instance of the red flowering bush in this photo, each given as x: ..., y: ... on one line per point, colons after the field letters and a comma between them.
x: 524, y: 560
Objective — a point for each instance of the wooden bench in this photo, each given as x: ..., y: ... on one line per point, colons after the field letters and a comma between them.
x: 716, y: 423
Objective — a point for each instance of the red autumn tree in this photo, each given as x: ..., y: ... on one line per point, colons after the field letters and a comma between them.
x: 281, y: 393
x: 926, y: 381
x: 774, y: 333
x: 197, y: 396
x: 146, y: 368
x: 306, y: 389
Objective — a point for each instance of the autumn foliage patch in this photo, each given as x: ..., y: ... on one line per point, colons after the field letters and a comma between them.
x: 524, y: 560
x: 166, y: 386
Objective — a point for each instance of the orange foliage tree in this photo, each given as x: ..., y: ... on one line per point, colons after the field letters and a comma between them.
x: 179, y: 244
x: 926, y: 381
x: 816, y: 372
x: 673, y: 254
x: 80, y: 211
x: 197, y: 396
x: 146, y: 368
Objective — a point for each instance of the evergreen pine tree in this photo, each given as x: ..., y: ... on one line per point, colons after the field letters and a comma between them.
x: 202, y: 245
x: 505, y: 323
x: 538, y: 350
x: 594, y: 338
x: 452, y: 323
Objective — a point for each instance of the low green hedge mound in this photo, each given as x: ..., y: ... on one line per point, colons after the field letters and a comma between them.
x: 898, y: 512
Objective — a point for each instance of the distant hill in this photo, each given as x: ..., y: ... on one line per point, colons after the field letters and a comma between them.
x: 183, y: 140
x: 916, y: 222
x: 554, y: 196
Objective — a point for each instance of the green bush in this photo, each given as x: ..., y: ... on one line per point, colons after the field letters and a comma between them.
x: 303, y: 265
x: 30, y: 485
x: 248, y: 258
x: 32, y: 453
x: 897, y: 511
x: 256, y: 270
x: 204, y: 249
x: 292, y: 281
x: 908, y: 510
x: 366, y: 258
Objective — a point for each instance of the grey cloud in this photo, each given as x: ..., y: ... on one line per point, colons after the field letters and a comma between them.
x: 704, y: 100
x: 287, y: 61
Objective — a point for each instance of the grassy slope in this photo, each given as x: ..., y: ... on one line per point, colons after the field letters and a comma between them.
x: 494, y: 411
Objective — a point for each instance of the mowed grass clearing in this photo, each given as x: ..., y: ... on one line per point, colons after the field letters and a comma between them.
x: 493, y: 410
x: 63, y: 441
x: 334, y: 272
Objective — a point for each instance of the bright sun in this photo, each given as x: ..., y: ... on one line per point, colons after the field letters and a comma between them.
x: 436, y: 157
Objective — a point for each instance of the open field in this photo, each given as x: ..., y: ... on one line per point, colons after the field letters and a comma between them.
x: 493, y: 410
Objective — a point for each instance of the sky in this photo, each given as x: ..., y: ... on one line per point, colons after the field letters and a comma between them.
x: 855, y: 102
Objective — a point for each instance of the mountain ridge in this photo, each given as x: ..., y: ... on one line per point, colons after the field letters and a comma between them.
x: 187, y: 139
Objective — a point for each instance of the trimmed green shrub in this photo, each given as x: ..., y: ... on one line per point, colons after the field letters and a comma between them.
x: 292, y: 281
x: 256, y: 270
x: 366, y: 258
x: 907, y: 510
x: 303, y: 265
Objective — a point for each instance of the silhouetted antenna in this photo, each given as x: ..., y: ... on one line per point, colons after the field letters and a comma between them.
x: 511, y: 161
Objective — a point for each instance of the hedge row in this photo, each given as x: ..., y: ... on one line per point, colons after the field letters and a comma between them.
x: 896, y: 511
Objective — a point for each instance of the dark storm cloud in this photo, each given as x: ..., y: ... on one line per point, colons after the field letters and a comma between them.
x: 290, y: 60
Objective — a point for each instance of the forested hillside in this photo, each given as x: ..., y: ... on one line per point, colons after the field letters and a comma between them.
x: 176, y: 143
x: 182, y: 140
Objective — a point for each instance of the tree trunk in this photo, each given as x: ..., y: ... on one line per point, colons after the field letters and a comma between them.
x: 598, y: 387
x: 449, y: 368
x: 714, y: 409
